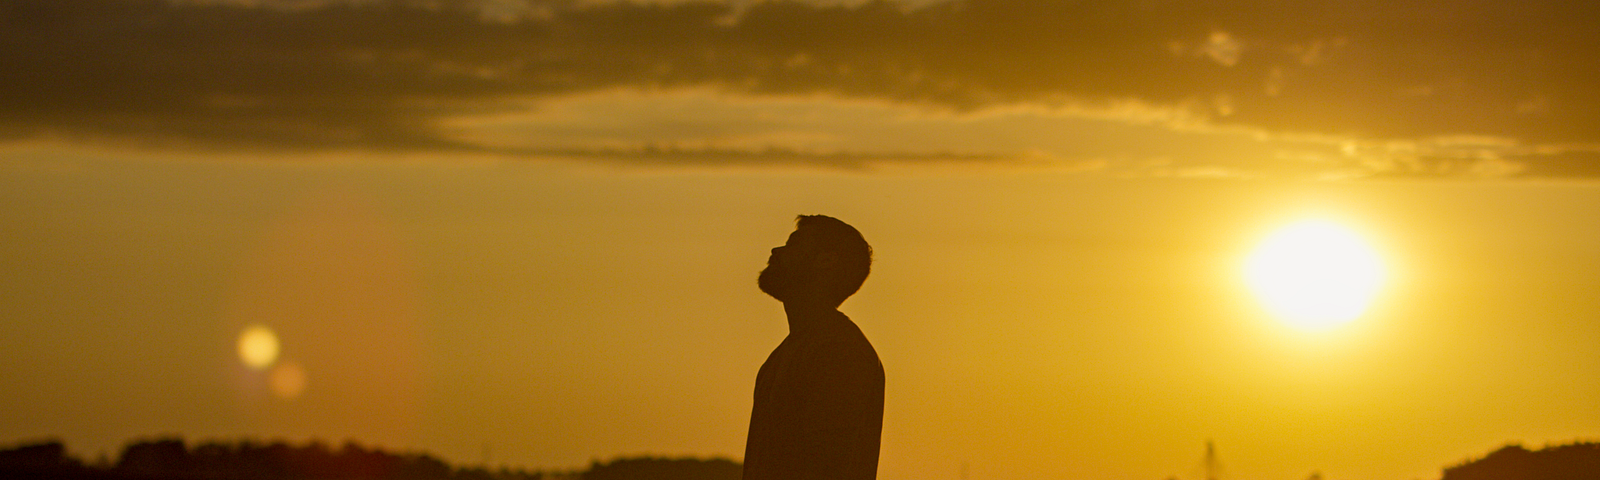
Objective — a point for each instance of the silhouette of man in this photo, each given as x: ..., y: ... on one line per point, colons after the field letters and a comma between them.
x: 818, y: 411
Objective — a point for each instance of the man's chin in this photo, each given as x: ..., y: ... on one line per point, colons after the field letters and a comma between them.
x: 771, y: 284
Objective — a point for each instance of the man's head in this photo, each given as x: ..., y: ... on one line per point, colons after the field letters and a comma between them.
x: 824, y: 262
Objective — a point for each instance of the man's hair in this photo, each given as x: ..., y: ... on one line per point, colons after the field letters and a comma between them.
x: 844, y: 242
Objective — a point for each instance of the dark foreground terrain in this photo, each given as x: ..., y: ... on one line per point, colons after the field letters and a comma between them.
x: 1577, y: 461
x: 172, y: 459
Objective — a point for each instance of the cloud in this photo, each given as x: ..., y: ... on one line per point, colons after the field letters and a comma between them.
x: 389, y: 74
x: 1490, y: 162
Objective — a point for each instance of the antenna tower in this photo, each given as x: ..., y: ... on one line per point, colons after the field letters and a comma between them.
x: 1212, y: 466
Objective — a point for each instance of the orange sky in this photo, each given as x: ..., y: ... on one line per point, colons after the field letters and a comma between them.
x: 528, y: 233
x: 1034, y: 325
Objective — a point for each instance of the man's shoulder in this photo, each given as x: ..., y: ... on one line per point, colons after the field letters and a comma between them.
x: 841, y: 332
x: 844, y: 346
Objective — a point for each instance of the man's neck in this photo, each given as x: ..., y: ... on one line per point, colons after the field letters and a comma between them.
x: 806, y: 316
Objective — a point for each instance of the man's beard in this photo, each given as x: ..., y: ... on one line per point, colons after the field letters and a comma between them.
x: 776, y: 281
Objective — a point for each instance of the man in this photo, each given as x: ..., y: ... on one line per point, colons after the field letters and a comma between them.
x: 818, y: 410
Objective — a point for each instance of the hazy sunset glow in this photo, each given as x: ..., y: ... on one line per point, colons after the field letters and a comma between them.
x: 1357, y: 238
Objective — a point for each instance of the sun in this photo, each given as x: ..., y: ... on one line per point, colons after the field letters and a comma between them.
x: 1314, y: 274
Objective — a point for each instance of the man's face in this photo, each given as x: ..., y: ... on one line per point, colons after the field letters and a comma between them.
x: 786, y: 268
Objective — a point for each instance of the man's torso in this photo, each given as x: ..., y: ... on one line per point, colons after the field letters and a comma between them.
x: 818, y: 411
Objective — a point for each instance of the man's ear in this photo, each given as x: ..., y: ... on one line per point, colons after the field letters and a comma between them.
x: 827, y: 261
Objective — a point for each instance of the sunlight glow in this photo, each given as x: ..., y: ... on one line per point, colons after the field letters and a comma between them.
x: 1314, y: 275
x: 258, y: 347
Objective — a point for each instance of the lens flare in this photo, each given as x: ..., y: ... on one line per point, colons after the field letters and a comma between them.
x: 287, y: 380
x: 258, y: 347
x: 1314, y: 275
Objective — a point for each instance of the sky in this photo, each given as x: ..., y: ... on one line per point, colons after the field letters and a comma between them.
x: 526, y: 233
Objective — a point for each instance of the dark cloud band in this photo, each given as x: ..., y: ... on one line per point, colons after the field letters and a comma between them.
x: 381, y: 74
